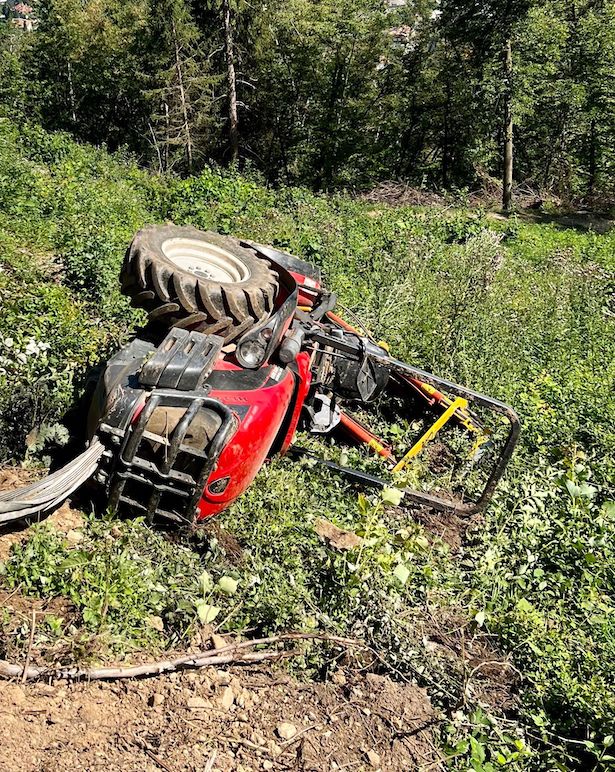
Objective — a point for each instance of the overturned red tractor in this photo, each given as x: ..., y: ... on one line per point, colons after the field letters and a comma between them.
x: 243, y: 344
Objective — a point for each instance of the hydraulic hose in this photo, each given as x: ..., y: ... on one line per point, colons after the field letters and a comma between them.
x: 48, y: 493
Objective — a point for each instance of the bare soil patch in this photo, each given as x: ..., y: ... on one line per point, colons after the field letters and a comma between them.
x: 446, y: 526
x: 241, y: 719
x: 469, y: 659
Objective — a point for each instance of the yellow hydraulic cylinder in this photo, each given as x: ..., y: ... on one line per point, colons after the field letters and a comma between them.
x: 459, y: 404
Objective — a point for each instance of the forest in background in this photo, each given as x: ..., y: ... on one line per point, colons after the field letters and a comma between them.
x: 333, y: 94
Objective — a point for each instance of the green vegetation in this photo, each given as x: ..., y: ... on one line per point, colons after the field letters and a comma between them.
x: 522, y: 311
x: 332, y: 94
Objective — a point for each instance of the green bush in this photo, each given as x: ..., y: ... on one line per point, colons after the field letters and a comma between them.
x: 520, y: 311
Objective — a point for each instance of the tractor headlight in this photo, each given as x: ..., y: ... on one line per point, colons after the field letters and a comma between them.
x: 251, y: 353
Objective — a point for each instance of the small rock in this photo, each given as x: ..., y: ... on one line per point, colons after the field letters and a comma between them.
x: 205, y: 683
x: 338, y: 678
x: 257, y: 738
x: 373, y: 758
x: 197, y: 703
x: 156, y: 699
x: 223, y: 677
x: 218, y: 641
x: 227, y: 698
x: 286, y: 730
x: 74, y: 536
x: 267, y: 764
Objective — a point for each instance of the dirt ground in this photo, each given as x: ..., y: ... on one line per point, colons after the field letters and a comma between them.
x: 236, y: 719
x: 243, y: 718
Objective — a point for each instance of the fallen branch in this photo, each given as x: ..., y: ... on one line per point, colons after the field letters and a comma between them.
x: 284, y: 746
x: 234, y: 653
x: 30, y: 645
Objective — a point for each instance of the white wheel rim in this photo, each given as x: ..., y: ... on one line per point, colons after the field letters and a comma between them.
x: 205, y: 260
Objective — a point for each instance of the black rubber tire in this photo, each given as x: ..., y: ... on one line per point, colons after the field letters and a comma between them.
x: 175, y: 297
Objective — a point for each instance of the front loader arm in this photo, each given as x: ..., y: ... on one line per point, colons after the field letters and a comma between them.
x: 489, y: 403
x: 359, y: 358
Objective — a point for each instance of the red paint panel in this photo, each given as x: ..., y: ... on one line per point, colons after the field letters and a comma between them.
x: 261, y: 413
x: 305, y: 379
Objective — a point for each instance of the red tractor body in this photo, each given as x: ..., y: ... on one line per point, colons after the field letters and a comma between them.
x: 268, y: 413
x: 242, y: 344
x: 267, y: 416
x: 260, y: 408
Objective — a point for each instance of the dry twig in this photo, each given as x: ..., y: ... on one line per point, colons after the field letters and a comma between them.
x: 234, y: 653
x: 30, y: 644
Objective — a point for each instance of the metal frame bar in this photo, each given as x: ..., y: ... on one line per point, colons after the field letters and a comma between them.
x: 165, y: 479
x: 476, y: 397
x: 433, y: 430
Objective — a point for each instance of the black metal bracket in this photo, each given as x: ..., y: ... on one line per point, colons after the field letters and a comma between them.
x: 182, y: 361
x: 169, y: 492
x: 354, y: 475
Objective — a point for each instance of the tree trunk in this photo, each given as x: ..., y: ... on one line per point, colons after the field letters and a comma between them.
x: 167, y: 143
x: 446, y: 135
x: 231, y: 81
x: 156, y: 147
x: 508, y: 129
x: 182, y: 97
x: 591, y: 183
x: 71, y: 93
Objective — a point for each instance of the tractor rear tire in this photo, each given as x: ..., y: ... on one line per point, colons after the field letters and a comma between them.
x: 200, y: 280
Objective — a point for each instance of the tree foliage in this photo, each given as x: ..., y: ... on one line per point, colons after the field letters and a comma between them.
x: 331, y: 94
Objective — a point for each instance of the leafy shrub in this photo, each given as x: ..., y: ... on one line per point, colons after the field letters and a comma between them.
x: 121, y: 577
x: 522, y: 312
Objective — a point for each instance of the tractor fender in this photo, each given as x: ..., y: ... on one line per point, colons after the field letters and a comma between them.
x: 261, y: 409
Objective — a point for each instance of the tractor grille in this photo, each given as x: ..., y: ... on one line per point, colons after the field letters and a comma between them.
x: 166, y: 455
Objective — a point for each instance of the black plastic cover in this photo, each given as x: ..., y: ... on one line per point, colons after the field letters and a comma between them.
x: 182, y: 361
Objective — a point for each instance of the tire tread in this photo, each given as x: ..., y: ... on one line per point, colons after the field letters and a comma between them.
x: 176, y: 297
